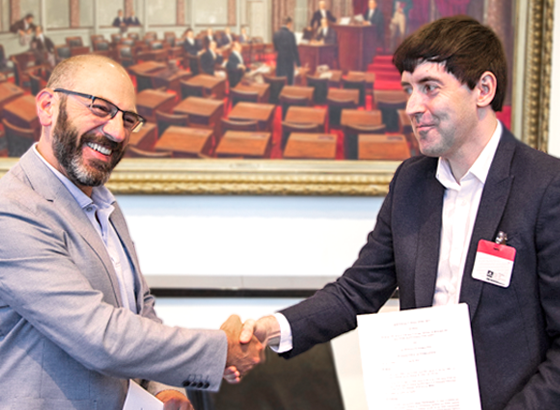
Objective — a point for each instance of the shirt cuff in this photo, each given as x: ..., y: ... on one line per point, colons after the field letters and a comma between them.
x: 285, y: 344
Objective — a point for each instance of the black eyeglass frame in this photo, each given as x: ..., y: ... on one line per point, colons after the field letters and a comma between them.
x: 140, y: 120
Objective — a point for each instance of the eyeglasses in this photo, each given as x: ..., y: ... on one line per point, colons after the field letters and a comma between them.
x: 102, y: 108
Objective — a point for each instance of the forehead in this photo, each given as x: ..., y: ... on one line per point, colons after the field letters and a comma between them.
x: 426, y: 71
x: 108, y: 81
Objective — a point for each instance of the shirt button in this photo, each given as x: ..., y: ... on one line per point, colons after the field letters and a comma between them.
x: 89, y: 208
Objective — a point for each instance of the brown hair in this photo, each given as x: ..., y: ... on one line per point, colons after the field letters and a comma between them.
x: 466, y: 48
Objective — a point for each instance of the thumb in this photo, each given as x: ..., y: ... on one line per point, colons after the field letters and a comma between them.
x: 247, y: 331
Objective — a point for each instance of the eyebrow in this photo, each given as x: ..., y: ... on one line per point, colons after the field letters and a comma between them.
x: 423, y: 81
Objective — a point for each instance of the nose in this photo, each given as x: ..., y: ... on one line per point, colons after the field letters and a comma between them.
x: 114, y: 128
x: 414, y: 105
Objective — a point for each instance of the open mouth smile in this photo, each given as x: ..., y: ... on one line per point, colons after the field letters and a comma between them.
x: 99, y: 148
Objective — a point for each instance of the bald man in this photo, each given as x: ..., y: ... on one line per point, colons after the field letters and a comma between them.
x: 77, y: 319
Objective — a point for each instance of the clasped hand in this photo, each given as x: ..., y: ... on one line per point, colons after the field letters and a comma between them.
x: 246, y: 343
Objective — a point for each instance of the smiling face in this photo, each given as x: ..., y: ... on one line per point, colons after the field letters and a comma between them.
x: 81, y: 145
x: 443, y: 111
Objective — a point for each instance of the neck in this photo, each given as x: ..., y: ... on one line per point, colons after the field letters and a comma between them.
x: 466, y: 155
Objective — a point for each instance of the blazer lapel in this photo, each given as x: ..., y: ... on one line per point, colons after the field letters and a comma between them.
x: 428, y: 242
x: 46, y: 184
x: 492, y: 205
x: 119, y: 223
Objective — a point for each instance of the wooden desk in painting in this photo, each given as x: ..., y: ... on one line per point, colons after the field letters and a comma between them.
x: 246, y: 111
x: 314, y: 55
x: 263, y: 90
x: 382, y: 147
x: 145, y: 68
x: 22, y: 112
x: 185, y: 142
x: 334, y: 77
x: 9, y: 92
x: 306, y: 115
x: 203, y: 111
x: 144, y: 139
x: 310, y: 146
x: 341, y: 94
x: 238, y: 144
x: 360, y: 117
x: 296, y: 91
x: 170, y: 79
x: 212, y: 84
x: 150, y: 101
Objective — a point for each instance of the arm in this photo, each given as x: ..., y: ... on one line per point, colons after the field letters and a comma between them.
x: 46, y: 276
x: 363, y: 288
x: 539, y: 392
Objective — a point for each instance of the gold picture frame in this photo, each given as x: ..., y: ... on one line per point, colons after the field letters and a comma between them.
x: 530, y: 113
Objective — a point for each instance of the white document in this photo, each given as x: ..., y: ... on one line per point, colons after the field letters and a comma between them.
x: 419, y: 359
x: 139, y: 399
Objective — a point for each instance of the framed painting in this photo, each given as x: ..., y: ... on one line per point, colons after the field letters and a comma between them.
x: 528, y: 25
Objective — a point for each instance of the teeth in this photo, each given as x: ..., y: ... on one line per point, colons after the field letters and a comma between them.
x: 99, y: 148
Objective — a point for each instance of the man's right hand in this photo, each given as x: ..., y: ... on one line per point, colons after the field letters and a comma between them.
x: 241, y: 357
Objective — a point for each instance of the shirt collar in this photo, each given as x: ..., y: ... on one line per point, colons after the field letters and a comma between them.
x: 479, y: 169
x: 101, y: 196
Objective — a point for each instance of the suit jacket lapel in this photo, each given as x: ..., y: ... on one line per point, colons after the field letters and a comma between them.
x: 492, y: 205
x: 428, y: 241
x: 46, y: 184
x: 119, y: 223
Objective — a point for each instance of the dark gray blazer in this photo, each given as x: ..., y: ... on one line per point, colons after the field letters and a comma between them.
x: 516, y: 330
x: 66, y: 342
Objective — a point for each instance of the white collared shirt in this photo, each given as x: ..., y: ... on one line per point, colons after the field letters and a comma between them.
x: 460, y: 206
x: 324, y: 13
x: 98, y: 210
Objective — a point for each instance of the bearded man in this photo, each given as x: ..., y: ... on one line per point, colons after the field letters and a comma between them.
x: 77, y: 319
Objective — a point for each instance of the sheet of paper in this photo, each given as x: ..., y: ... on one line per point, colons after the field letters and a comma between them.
x: 419, y: 359
x: 139, y: 399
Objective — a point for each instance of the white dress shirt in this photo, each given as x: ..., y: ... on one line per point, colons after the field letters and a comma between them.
x: 98, y: 210
x: 460, y: 206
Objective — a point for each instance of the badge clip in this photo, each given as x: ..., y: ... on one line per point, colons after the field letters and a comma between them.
x: 501, y: 238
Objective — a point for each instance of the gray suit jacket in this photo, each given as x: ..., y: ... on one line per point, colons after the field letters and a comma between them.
x: 516, y: 330
x: 66, y: 342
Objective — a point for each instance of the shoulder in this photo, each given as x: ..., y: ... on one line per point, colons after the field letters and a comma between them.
x: 529, y: 162
x: 414, y: 170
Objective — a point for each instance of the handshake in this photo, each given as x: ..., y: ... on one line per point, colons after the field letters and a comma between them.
x: 246, y: 343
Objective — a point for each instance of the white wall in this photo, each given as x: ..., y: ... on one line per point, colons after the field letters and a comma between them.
x: 255, y: 235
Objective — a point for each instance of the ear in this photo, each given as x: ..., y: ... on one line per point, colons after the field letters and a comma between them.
x: 45, y: 106
x: 486, y: 88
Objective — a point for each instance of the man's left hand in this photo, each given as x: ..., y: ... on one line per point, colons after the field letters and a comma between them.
x: 174, y: 400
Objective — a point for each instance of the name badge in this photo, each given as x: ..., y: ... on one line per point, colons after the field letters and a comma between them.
x: 493, y: 263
